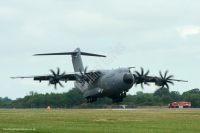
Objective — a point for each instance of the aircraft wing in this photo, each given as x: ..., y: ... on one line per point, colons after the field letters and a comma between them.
x: 47, y: 77
x: 65, y: 77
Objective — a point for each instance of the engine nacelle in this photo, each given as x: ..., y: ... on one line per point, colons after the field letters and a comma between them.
x: 159, y: 82
x: 53, y: 81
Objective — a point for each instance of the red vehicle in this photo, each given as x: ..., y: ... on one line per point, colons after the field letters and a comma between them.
x: 180, y: 105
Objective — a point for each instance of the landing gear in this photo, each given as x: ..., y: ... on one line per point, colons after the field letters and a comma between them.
x: 119, y: 98
x: 91, y: 99
x: 123, y: 94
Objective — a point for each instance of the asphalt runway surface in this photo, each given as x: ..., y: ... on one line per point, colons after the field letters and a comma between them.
x: 120, y: 109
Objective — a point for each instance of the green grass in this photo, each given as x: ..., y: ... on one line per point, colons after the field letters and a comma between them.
x: 99, y: 121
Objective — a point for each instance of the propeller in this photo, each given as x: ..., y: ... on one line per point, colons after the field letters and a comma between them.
x: 84, y: 72
x: 85, y: 76
x: 140, y: 77
x: 54, y: 79
x: 165, y: 79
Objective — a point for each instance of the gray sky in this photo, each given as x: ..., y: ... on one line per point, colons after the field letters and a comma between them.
x: 156, y: 35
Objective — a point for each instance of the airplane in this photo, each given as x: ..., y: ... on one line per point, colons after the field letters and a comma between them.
x: 101, y: 83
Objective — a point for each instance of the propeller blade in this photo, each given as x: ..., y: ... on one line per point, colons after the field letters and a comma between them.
x: 53, y: 72
x: 60, y: 84
x: 167, y: 85
x: 85, y: 69
x: 63, y: 73
x: 142, y: 86
x: 138, y: 74
x: 86, y: 75
x: 142, y: 71
x: 55, y: 86
x: 146, y: 83
x: 147, y: 72
x: 58, y: 72
x: 168, y: 78
x: 135, y: 85
x: 160, y: 74
x: 80, y: 71
x: 170, y: 82
x: 165, y: 74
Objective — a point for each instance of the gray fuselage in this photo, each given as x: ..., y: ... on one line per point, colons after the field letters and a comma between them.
x: 108, y: 84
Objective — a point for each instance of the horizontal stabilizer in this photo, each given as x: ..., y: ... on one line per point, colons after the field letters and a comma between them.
x: 90, y: 54
x: 71, y: 53
x: 63, y: 53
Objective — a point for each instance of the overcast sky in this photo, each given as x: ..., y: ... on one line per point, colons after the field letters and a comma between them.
x: 156, y: 35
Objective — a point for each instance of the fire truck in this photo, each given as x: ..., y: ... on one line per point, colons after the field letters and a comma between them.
x: 180, y: 105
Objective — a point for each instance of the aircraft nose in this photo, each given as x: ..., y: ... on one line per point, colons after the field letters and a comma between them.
x: 128, y: 78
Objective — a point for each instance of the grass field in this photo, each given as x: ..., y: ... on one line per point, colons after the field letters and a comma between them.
x: 99, y: 121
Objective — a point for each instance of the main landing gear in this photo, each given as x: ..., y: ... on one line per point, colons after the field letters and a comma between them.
x: 119, y: 98
x: 91, y: 99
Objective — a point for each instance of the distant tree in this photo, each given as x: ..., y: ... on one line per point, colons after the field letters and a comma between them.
x: 175, y: 95
x: 31, y: 93
x: 130, y: 100
x: 193, y: 98
x: 166, y: 99
x: 139, y: 93
x: 1, y: 102
x: 74, y: 99
x: 6, y: 100
x: 161, y: 91
x: 193, y: 91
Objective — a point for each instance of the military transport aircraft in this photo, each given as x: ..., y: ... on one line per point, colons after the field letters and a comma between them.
x: 102, y: 83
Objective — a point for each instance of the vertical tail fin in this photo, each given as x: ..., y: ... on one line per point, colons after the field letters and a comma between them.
x: 77, y: 61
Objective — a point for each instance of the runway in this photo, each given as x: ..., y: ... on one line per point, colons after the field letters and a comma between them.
x: 145, y: 109
x: 117, y: 109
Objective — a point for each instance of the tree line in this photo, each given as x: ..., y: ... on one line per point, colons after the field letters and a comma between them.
x: 73, y: 99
